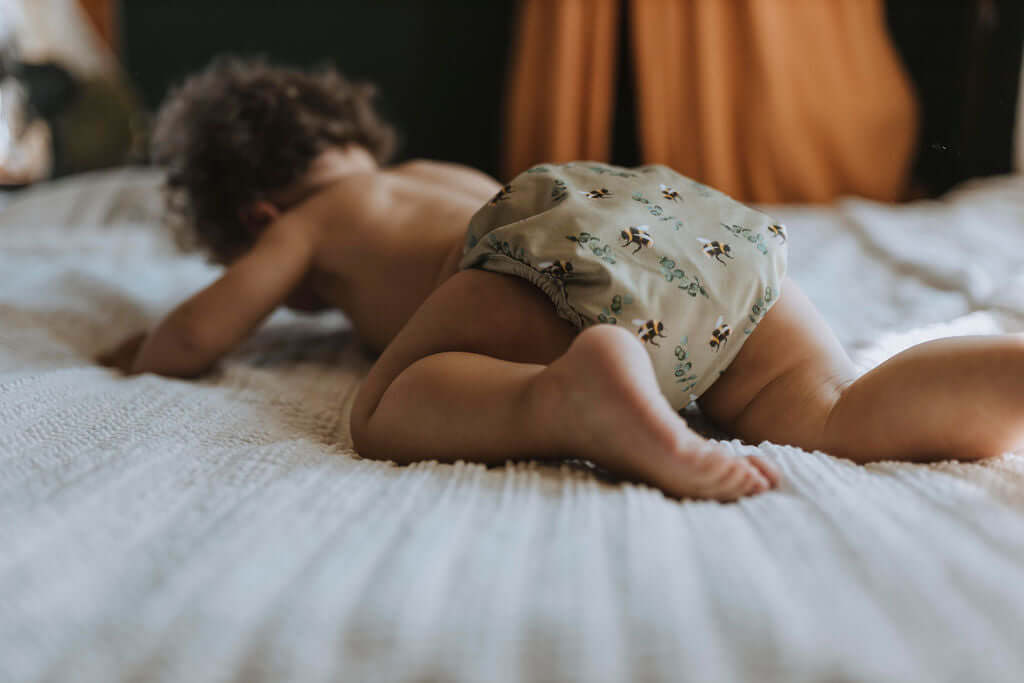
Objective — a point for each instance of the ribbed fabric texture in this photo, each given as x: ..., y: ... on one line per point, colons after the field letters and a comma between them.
x: 223, y: 530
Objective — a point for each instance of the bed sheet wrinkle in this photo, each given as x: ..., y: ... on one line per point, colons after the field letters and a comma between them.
x: 224, y: 530
x: 971, y: 240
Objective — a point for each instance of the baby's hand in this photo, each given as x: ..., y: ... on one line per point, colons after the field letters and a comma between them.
x: 123, y: 357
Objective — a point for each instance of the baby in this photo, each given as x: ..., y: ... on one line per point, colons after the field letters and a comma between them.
x: 572, y: 312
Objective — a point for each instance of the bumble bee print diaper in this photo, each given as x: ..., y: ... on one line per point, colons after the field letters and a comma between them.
x: 687, y: 269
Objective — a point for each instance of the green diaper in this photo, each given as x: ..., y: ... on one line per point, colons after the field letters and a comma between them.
x: 689, y: 270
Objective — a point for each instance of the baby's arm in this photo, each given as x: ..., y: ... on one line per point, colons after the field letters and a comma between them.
x: 209, y: 324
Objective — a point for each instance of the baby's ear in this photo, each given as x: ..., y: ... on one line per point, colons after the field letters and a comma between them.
x: 255, y: 216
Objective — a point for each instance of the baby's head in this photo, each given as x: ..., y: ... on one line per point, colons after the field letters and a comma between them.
x: 243, y: 140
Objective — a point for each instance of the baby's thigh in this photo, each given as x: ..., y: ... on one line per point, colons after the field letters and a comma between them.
x: 474, y: 311
x: 786, y: 378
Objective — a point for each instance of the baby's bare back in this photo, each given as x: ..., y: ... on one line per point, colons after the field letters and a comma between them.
x: 391, y: 238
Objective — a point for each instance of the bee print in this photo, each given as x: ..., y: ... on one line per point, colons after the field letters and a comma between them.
x: 558, y: 269
x: 558, y: 191
x: 668, y: 193
x: 637, y: 235
x: 602, y: 193
x: 720, y: 335
x: 778, y: 231
x: 502, y: 195
x: 716, y: 249
x: 649, y: 330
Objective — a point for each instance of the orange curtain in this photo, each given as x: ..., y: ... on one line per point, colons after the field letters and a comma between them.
x: 781, y: 101
x: 101, y: 13
x: 561, y: 86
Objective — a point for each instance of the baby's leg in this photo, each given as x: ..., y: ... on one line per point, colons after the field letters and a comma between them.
x: 961, y: 397
x: 486, y: 371
x: 792, y: 383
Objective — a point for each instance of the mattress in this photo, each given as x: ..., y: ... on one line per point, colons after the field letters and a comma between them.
x: 224, y: 530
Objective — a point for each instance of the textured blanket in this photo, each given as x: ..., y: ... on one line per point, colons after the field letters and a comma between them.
x: 223, y: 529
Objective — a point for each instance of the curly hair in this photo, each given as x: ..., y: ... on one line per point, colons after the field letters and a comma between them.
x: 242, y: 128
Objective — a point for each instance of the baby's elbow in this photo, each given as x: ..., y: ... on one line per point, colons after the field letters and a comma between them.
x: 196, y: 341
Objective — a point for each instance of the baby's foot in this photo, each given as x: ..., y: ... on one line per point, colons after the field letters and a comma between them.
x: 603, y: 397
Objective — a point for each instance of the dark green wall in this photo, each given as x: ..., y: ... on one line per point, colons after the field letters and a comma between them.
x: 439, y: 63
x: 964, y: 58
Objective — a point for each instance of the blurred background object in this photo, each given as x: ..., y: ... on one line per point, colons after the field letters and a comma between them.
x: 26, y: 153
x: 78, y: 111
x: 1018, y: 164
x: 25, y: 145
x: 771, y: 100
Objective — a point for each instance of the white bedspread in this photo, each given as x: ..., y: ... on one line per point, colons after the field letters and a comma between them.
x: 221, y: 530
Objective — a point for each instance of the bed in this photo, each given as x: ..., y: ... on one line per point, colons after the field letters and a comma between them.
x: 224, y: 530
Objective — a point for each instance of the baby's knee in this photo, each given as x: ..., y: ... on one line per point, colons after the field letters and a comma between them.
x: 363, y: 407
x: 606, y: 336
x: 609, y: 344
x: 359, y: 420
x: 366, y: 442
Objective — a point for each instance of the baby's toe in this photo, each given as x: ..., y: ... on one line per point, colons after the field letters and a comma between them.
x: 740, y: 479
x: 767, y: 469
x: 753, y: 482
